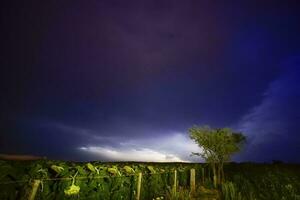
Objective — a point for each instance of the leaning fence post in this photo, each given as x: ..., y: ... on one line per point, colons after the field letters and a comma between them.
x: 175, y: 181
x: 139, y: 186
x: 192, y: 180
x: 35, y: 186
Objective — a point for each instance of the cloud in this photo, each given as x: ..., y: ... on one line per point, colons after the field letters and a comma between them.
x: 166, y: 147
x: 147, y: 155
x: 172, y: 148
x: 79, y: 143
x: 271, y: 125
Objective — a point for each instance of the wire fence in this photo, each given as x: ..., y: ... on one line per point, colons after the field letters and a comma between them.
x: 141, y: 186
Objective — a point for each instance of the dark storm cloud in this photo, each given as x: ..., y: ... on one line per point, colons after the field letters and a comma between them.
x: 91, y: 75
x: 271, y: 126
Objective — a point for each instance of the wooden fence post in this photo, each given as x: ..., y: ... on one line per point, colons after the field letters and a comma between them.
x: 202, y: 176
x: 35, y: 187
x: 192, y: 180
x: 209, y: 178
x: 138, y: 195
x: 175, y: 181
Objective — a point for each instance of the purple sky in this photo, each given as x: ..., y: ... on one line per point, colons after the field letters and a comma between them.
x: 124, y: 80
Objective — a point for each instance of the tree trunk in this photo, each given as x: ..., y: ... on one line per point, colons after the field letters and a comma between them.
x: 222, y: 173
x: 214, y: 175
x: 219, y: 174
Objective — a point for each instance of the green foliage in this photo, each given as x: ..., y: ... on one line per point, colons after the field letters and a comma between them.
x: 91, y: 167
x: 114, y: 171
x: 119, y: 180
x: 57, y: 169
x: 151, y: 169
x: 180, y: 194
x: 128, y: 170
x: 217, y: 145
x: 73, y: 189
x: 230, y: 192
x: 93, y: 180
x: 265, y: 182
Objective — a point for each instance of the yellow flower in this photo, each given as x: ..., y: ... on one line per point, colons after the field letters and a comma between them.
x: 72, y: 190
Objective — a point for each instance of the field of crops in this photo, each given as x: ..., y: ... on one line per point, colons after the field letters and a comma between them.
x: 96, y: 180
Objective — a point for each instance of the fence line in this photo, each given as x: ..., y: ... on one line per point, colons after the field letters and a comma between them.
x: 80, y: 177
x: 14, y: 182
x: 37, y: 182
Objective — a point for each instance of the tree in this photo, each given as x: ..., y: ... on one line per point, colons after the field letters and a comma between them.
x: 218, y: 146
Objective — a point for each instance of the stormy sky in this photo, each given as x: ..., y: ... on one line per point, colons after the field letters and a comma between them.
x: 124, y: 80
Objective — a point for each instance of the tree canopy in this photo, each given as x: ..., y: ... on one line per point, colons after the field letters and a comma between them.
x: 217, y: 145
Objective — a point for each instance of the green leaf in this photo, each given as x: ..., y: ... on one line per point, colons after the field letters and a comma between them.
x: 57, y: 169
x: 128, y: 170
x: 113, y: 171
x: 151, y: 169
x: 90, y: 167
